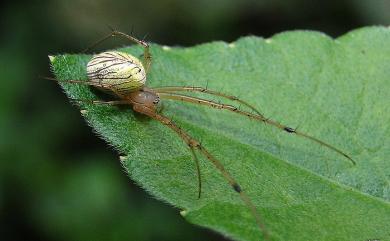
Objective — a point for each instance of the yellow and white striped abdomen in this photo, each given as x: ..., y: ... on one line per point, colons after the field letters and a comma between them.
x: 120, y: 71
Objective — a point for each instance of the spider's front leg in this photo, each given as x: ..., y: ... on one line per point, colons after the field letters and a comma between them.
x: 173, y: 89
x: 195, y: 145
x: 168, y: 94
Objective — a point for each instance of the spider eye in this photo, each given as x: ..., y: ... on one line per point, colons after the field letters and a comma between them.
x: 156, y: 101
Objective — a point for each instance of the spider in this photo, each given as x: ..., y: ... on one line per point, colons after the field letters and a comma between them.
x: 124, y: 76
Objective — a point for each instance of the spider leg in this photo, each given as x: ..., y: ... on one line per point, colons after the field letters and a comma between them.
x: 200, y: 101
x: 110, y: 87
x: 197, y: 172
x: 100, y: 102
x: 170, y: 89
x: 195, y: 145
x: 86, y: 82
x: 147, y: 55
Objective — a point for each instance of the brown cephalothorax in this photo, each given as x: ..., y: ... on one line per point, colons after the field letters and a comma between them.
x: 145, y: 96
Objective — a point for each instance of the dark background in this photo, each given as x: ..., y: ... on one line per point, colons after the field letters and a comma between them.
x: 59, y: 181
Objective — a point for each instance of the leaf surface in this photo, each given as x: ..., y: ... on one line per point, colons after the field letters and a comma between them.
x: 334, y: 89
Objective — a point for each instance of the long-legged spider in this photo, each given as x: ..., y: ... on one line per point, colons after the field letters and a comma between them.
x: 124, y: 76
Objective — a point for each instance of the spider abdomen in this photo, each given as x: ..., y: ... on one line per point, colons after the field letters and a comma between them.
x: 120, y: 71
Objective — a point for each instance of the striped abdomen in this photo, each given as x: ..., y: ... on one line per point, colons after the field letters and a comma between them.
x: 121, y: 72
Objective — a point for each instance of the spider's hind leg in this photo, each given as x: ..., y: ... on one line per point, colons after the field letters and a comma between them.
x: 108, y: 88
x: 83, y: 82
x: 114, y: 33
x: 100, y: 102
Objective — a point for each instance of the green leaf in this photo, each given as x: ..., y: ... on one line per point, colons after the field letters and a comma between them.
x: 334, y: 89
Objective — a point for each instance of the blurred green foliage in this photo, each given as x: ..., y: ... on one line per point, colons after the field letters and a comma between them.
x: 51, y: 162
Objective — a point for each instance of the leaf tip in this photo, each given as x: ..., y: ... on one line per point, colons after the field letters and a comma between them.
x: 183, y: 213
x: 83, y: 112
x: 122, y: 158
x: 51, y: 58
